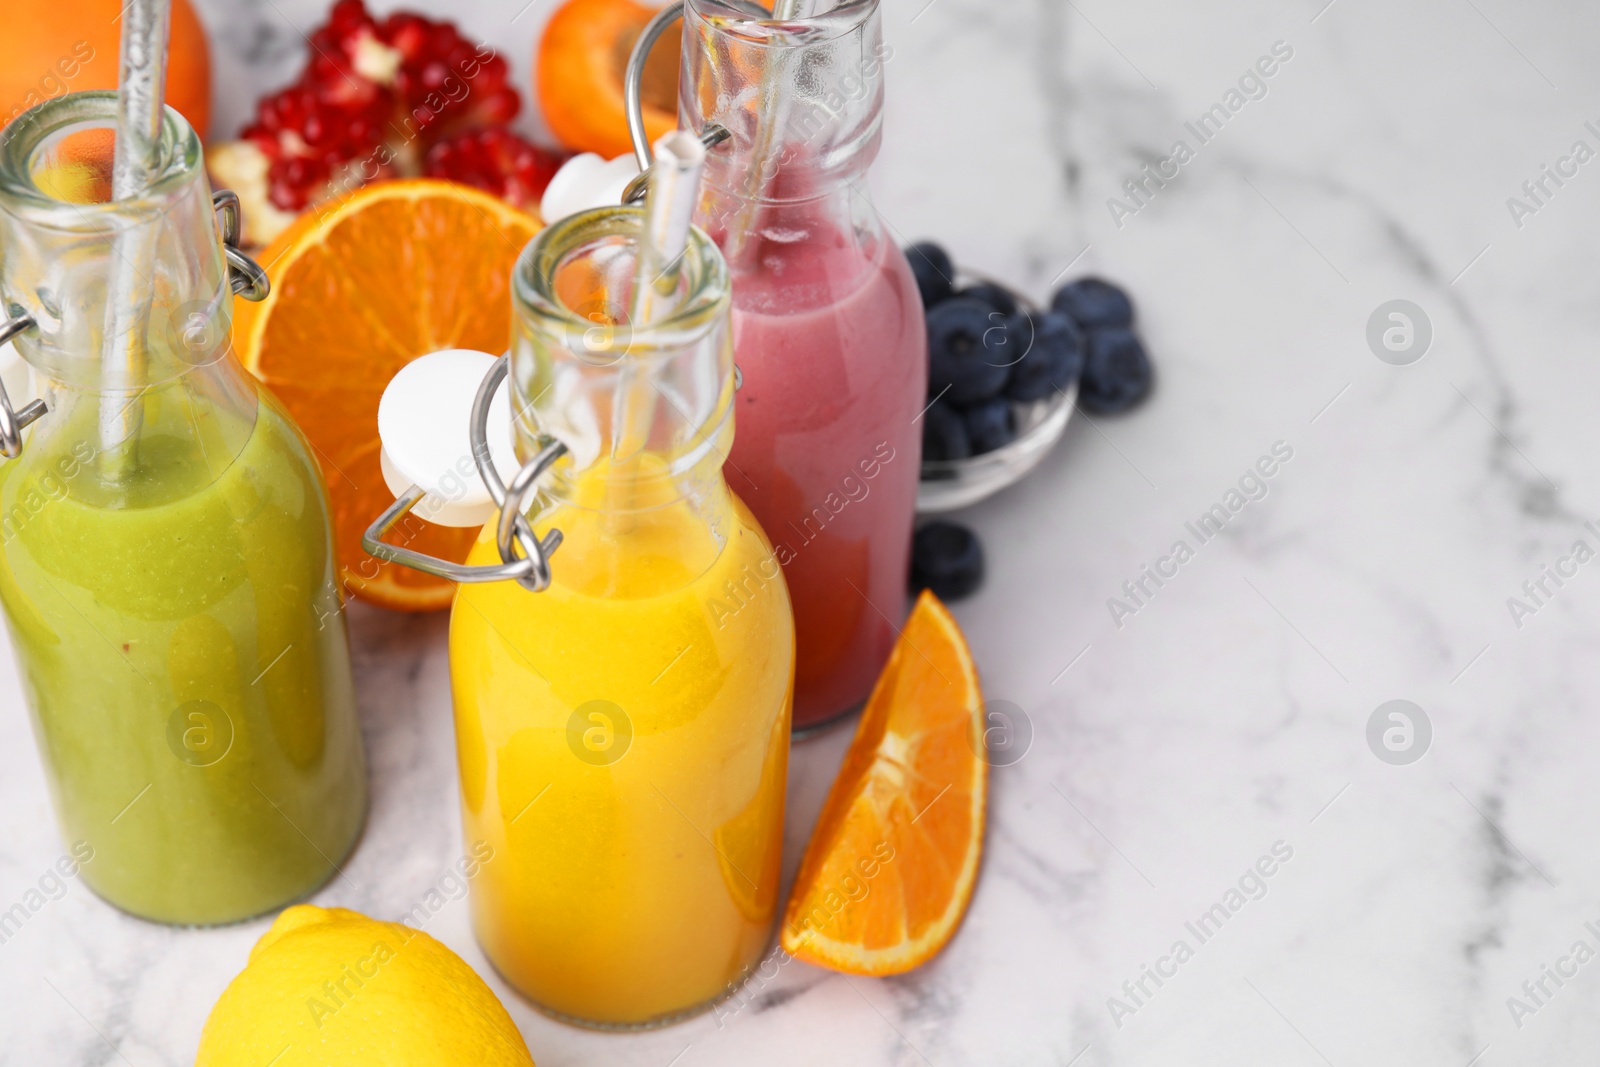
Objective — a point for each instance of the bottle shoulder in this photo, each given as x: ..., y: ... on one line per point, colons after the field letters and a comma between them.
x: 650, y: 574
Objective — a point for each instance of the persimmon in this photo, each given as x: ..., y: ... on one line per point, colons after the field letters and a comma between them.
x: 54, y: 47
x: 579, y: 69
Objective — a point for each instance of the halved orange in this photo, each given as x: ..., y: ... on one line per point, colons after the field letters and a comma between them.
x: 360, y: 288
x: 894, y: 857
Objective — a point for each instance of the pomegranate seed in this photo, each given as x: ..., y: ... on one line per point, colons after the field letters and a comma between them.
x: 443, y: 39
x: 347, y: 13
x: 407, y: 32
x: 316, y: 131
x: 495, y: 160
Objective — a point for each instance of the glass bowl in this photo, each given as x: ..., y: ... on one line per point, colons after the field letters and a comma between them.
x: 946, y: 485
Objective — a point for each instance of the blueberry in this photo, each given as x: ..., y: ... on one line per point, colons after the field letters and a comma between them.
x: 1052, y: 347
x: 990, y: 425
x: 1116, y: 371
x: 1093, y: 302
x: 969, y: 352
x: 934, y: 271
x: 947, y: 559
x: 997, y: 297
x: 944, y: 433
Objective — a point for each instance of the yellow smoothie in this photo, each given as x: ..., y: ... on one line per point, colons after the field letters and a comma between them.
x: 623, y: 745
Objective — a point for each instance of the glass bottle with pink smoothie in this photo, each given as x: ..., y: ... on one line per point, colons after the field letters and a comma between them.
x: 828, y: 326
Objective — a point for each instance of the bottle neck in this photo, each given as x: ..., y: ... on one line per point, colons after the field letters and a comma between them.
x: 623, y: 494
x: 646, y: 412
x: 130, y: 301
x: 106, y: 283
x: 801, y: 99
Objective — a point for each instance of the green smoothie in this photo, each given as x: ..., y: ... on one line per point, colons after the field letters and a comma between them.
x: 180, y: 638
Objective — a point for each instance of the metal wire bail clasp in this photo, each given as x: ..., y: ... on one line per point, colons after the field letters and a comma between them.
x: 246, y: 276
x: 13, y: 422
x: 531, y: 569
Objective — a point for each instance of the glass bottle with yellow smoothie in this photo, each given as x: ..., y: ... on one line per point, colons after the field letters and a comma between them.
x: 623, y: 734
x: 166, y: 568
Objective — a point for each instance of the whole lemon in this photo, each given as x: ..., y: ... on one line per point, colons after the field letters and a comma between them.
x: 330, y: 986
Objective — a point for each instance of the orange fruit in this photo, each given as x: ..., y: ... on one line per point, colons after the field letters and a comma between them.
x: 579, y: 68
x: 63, y: 46
x: 360, y: 288
x: 894, y: 857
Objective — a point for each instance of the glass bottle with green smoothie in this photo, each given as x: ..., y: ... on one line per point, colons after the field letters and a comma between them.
x: 166, y: 562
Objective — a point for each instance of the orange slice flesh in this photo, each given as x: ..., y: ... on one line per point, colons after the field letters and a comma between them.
x: 893, y: 860
x: 360, y: 288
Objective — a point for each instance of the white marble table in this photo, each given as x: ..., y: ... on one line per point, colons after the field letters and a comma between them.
x: 1229, y: 712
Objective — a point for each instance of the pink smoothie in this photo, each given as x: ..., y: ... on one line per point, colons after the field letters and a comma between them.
x: 829, y: 335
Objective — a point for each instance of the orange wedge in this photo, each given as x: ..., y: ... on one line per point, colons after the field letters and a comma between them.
x: 891, y: 865
x: 360, y: 288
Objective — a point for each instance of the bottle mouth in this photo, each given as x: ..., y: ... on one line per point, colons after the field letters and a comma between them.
x: 56, y: 161
x: 736, y: 19
x: 575, y: 281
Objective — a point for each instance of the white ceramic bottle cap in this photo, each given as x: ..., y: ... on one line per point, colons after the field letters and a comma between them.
x: 586, y: 181
x: 423, y: 426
